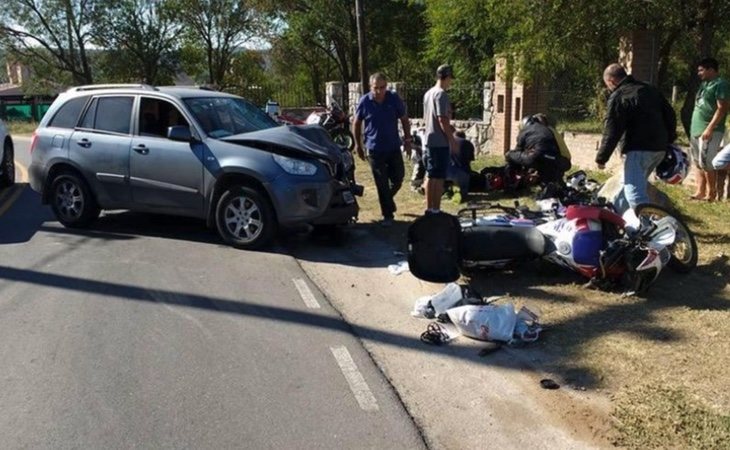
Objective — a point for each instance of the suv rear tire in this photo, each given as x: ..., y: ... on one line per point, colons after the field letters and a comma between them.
x: 244, y: 218
x: 7, y: 177
x: 72, y: 202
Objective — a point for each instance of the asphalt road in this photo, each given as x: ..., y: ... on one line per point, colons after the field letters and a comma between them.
x: 145, y: 332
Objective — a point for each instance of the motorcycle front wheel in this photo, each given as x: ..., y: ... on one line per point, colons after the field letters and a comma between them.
x: 344, y: 139
x: 684, y: 249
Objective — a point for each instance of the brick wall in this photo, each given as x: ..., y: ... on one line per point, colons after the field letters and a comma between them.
x: 502, y: 110
x: 638, y: 54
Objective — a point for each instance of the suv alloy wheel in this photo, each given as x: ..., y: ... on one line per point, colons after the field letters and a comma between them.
x: 244, y: 218
x: 72, y: 202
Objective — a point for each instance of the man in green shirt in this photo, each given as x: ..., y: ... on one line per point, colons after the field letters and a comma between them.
x: 708, y: 126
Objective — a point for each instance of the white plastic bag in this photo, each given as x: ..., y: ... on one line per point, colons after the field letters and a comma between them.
x: 399, y: 268
x: 485, y: 322
x: 422, y: 308
x: 448, y: 297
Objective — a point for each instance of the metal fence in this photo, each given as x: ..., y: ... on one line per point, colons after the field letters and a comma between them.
x: 286, y: 97
x: 467, y: 101
x: 26, y: 110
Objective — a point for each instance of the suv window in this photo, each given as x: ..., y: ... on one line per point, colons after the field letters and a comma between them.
x: 156, y: 115
x: 68, y: 114
x: 225, y: 116
x: 111, y: 114
x: 90, y: 116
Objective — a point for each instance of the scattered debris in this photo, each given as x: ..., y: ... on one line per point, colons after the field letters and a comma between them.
x: 437, y: 333
x: 398, y: 268
x: 547, y: 383
x: 477, y: 318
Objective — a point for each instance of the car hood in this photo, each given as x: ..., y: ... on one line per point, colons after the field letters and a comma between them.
x: 310, y: 140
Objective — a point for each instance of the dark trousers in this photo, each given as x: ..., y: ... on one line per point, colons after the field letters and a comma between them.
x: 388, y: 173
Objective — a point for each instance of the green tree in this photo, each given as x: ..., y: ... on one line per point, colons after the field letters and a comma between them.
x: 139, y: 38
x: 318, y: 41
x: 219, y: 29
x: 49, y: 35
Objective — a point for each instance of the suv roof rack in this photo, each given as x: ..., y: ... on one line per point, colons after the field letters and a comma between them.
x: 93, y: 87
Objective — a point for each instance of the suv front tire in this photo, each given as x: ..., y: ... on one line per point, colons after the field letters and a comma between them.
x: 244, y: 218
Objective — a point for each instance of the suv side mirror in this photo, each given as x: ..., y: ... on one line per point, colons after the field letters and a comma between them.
x: 179, y: 133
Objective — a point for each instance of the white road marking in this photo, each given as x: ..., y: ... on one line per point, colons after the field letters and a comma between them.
x: 306, y: 293
x: 358, y: 386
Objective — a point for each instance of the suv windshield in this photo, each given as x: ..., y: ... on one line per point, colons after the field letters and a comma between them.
x: 225, y: 116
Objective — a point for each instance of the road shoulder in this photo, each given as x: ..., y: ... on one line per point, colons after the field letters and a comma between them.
x: 456, y: 397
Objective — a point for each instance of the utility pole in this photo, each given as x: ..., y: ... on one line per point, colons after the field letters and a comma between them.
x: 361, y: 44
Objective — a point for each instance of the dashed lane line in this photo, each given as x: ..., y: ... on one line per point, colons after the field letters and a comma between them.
x: 306, y: 293
x: 358, y: 385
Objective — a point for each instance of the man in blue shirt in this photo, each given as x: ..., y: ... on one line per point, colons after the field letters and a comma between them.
x: 380, y: 110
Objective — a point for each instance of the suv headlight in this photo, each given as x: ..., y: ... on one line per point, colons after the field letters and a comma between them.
x: 295, y: 166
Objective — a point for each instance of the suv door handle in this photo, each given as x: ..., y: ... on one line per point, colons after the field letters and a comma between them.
x: 141, y: 149
x: 84, y: 143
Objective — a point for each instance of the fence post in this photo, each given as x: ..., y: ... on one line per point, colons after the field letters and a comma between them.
x: 34, y: 110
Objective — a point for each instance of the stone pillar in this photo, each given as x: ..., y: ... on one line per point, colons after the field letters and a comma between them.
x: 335, y: 90
x: 354, y: 92
x: 488, y: 102
x: 638, y: 53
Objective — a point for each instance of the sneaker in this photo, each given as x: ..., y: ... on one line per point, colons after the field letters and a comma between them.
x: 387, y: 222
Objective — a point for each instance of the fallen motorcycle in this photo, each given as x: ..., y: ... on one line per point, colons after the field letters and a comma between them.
x: 591, y: 240
x: 336, y: 122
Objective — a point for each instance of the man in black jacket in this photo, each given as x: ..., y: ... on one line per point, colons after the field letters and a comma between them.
x: 537, y: 149
x: 640, y: 115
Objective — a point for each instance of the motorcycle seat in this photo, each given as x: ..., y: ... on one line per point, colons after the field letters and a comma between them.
x: 494, y: 243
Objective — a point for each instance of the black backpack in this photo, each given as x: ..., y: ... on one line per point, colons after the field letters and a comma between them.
x: 434, y: 248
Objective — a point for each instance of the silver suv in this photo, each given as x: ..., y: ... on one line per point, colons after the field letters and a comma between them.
x: 189, y: 152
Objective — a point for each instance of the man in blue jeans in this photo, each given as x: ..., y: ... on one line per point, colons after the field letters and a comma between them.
x: 640, y: 114
x: 381, y: 109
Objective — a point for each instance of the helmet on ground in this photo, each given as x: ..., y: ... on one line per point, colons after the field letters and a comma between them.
x: 674, y: 167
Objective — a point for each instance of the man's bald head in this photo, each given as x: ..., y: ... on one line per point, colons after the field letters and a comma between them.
x: 613, y: 75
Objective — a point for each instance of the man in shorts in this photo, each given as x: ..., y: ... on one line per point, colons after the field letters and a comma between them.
x: 708, y: 126
x: 440, y: 143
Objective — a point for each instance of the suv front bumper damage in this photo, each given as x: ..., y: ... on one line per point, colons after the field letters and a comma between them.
x: 316, y: 203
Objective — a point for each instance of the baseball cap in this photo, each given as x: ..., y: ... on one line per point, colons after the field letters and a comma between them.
x: 444, y: 71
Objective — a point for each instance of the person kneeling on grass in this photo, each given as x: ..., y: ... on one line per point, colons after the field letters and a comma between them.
x: 537, y: 148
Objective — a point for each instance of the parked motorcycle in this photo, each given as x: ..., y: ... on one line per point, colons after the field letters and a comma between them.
x: 274, y: 111
x: 336, y: 122
x: 591, y: 240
